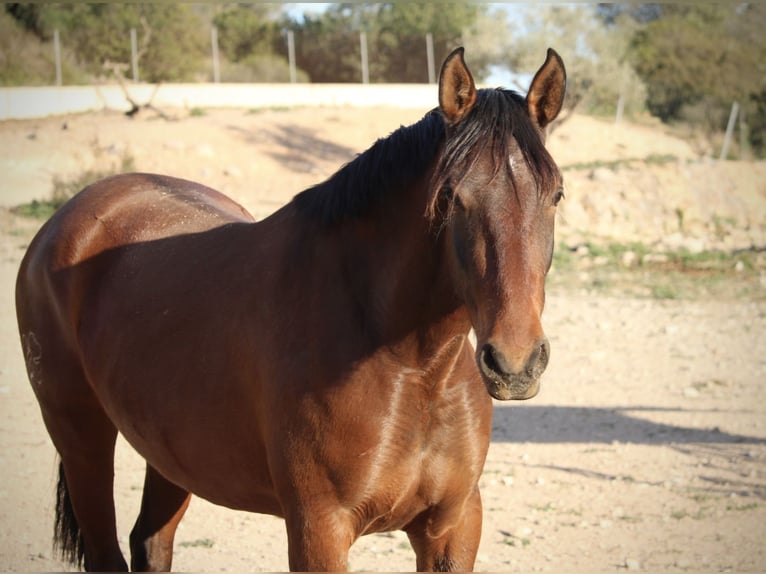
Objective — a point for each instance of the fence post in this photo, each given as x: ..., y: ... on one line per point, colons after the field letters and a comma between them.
x: 430, y: 58
x: 620, y: 109
x: 729, y: 130
x: 134, y: 53
x: 216, y: 63
x: 57, y: 56
x: 365, y: 69
x: 291, y: 55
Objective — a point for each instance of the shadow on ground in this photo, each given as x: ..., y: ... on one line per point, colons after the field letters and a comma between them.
x: 726, y: 464
x: 553, y: 424
x: 300, y: 148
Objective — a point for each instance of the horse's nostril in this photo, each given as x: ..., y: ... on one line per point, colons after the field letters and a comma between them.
x: 538, y: 360
x: 494, y: 361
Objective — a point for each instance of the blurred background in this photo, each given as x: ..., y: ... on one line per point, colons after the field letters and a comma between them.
x: 689, y: 62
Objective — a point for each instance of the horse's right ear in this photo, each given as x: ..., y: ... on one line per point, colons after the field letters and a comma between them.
x: 546, y: 93
x: 457, y: 91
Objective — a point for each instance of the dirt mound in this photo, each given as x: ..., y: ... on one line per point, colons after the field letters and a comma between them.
x: 624, y: 182
x: 634, y: 183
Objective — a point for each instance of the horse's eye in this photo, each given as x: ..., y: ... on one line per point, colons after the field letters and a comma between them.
x: 458, y: 203
x: 558, y: 196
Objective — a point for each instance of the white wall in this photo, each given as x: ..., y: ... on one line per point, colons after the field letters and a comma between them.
x: 36, y: 102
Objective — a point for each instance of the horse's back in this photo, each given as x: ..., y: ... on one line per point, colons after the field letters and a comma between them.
x: 130, y: 208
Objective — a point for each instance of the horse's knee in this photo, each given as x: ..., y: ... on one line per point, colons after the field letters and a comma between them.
x: 319, y: 545
x: 447, y: 549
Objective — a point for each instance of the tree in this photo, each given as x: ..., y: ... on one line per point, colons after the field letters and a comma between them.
x: 401, y: 32
x: 252, y: 42
x: 328, y: 46
x: 244, y: 30
x: 173, y: 39
x: 697, y: 59
x: 595, y: 55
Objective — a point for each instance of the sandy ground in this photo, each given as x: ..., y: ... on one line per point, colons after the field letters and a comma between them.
x: 646, y: 448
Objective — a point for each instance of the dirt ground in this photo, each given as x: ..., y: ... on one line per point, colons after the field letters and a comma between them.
x: 646, y: 449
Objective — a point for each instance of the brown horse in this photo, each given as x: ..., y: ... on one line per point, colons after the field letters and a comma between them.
x: 314, y: 365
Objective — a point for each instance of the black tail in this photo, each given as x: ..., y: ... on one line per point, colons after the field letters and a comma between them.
x: 67, y: 538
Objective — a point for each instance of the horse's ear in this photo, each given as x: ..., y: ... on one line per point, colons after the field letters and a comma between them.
x: 546, y: 93
x: 457, y: 92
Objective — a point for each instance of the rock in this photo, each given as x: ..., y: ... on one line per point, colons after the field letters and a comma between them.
x: 232, y: 171
x: 632, y: 564
x: 629, y: 258
x: 205, y: 150
x: 522, y: 532
x: 602, y: 174
x: 691, y: 393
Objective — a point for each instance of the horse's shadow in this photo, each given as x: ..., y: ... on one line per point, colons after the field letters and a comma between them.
x: 728, y: 463
x: 604, y: 425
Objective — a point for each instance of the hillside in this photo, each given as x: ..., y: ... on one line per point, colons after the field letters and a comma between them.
x: 625, y: 183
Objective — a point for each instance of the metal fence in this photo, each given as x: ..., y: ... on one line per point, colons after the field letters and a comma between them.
x: 428, y: 46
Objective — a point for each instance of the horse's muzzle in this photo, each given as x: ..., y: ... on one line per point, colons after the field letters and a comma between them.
x: 506, y: 381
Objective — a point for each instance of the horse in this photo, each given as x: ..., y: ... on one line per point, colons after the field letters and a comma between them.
x: 314, y: 365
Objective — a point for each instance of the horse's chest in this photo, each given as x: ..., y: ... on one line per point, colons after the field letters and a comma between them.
x: 418, y: 462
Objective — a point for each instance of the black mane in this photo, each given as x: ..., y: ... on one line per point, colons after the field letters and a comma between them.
x: 393, y: 162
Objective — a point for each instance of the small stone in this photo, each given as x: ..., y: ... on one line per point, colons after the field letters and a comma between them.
x: 602, y: 174
x: 522, y: 532
x: 629, y: 259
x: 507, y: 480
x: 670, y: 329
x: 232, y: 171
x: 600, y: 261
x: 691, y: 393
x: 632, y: 564
x: 205, y: 150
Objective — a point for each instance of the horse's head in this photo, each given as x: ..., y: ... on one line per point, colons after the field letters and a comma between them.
x: 496, y: 188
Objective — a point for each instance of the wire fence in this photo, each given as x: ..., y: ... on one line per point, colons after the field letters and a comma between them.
x: 215, y: 57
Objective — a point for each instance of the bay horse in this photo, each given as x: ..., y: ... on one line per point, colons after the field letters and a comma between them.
x: 314, y: 365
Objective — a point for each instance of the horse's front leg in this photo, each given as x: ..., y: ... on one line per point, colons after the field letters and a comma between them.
x: 162, y: 506
x: 443, y: 547
x: 319, y: 541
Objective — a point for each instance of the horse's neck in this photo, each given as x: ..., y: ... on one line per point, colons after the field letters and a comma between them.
x: 403, y: 274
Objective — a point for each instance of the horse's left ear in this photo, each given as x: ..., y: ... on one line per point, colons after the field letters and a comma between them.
x: 457, y: 92
x: 546, y: 93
